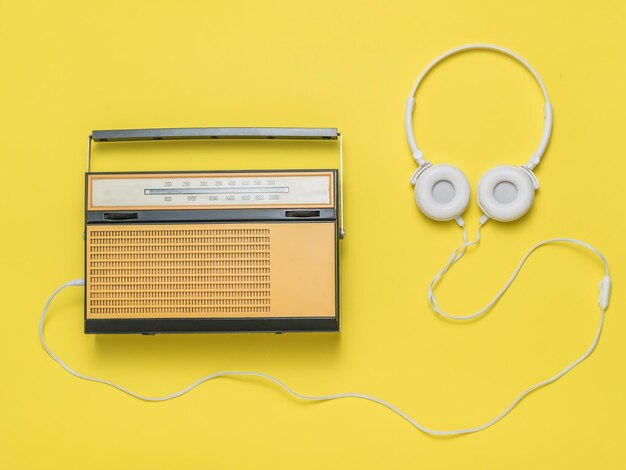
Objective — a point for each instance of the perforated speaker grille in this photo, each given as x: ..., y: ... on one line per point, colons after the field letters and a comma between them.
x: 178, y: 271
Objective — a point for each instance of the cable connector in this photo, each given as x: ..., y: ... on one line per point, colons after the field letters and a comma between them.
x: 605, y: 292
x: 76, y: 282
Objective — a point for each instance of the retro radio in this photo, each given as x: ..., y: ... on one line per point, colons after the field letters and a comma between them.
x: 169, y: 252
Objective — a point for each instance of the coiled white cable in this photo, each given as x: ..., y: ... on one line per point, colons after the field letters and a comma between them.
x: 604, y: 298
x: 460, y: 251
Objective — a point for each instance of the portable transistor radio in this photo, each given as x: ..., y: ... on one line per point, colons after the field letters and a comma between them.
x: 203, y: 251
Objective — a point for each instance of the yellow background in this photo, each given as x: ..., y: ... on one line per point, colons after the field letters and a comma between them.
x: 69, y: 67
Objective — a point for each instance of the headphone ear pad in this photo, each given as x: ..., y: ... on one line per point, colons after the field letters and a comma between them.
x: 505, y: 193
x: 442, y: 192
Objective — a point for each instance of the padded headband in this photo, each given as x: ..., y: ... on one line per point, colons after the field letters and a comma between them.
x: 547, y: 126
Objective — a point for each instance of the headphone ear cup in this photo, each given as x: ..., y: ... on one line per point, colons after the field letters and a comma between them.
x: 442, y: 192
x: 505, y: 193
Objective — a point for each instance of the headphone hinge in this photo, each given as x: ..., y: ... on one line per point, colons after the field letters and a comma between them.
x: 419, y: 171
x: 532, y: 176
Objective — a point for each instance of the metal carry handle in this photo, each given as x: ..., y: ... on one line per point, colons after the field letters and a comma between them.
x: 200, y: 133
x: 311, y: 133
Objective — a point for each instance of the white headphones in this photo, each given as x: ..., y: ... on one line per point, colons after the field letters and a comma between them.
x: 505, y: 193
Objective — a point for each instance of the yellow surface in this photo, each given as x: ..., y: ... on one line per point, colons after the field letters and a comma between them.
x: 69, y: 67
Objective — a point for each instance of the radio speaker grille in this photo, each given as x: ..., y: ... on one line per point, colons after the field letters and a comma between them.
x: 178, y: 271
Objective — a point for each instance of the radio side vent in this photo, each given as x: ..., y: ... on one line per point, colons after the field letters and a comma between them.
x: 177, y: 271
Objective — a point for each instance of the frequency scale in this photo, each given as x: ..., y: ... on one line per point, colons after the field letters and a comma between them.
x: 211, y: 190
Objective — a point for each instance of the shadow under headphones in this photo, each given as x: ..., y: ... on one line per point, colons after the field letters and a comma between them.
x: 505, y: 192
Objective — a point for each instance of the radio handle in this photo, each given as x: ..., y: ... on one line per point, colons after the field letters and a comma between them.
x: 199, y: 133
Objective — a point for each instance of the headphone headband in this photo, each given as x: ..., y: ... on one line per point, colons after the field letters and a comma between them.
x: 547, y: 126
